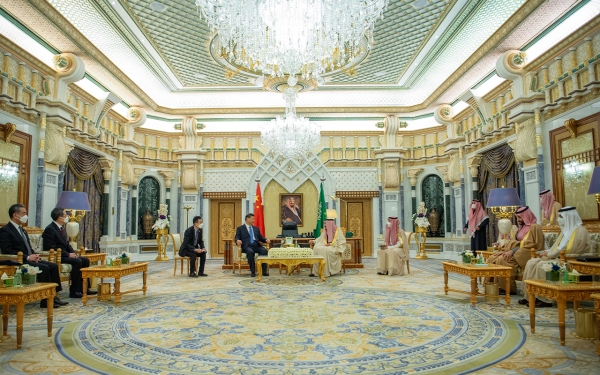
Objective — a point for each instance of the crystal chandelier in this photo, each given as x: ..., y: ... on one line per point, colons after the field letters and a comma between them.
x: 291, y: 135
x: 306, y: 37
x: 7, y: 168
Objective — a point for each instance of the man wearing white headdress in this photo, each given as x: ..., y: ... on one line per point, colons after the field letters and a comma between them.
x: 393, y: 255
x: 331, y: 244
x: 574, y: 239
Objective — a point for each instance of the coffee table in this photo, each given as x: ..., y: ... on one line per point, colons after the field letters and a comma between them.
x: 596, y: 298
x: 115, y: 272
x: 491, y: 270
x: 290, y: 263
x: 561, y: 293
x: 22, y: 295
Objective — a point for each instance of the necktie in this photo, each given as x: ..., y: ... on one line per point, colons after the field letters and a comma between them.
x: 62, y: 231
x: 251, y: 235
x: 25, y: 240
x: 196, y: 239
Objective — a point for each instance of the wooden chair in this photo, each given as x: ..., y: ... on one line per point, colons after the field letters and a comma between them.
x: 176, y: 245
x: 17, y: 258
x: 239, y: 258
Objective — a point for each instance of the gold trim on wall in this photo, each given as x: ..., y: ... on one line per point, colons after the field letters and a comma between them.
x: 224, y: 195
x: 357, y: 194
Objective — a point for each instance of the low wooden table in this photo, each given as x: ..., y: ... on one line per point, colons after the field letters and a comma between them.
x: 589, y: 268
x: 96, y: 257
x: 22, y: 295
x: 491, y: 270
x: 561, y: 293
x: 290, y: 263
x: 596, y: 298
x: 116, y: 272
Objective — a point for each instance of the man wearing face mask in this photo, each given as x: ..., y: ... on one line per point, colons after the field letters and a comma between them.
x: 550, y: 208
x: 14, y: 239
x: 477, y: 226
x: 193, y: 247
x: 55, y: 237
x: 574, y: 239
x: 517, y: 251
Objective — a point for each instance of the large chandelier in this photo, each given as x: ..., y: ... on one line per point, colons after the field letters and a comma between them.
x: 291, y: 135
x: 306, y: 37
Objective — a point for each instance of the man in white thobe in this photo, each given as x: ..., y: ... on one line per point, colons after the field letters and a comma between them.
x: 392, y: 257
x: 331, y: 244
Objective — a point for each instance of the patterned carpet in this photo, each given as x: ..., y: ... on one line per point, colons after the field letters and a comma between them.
x: 356, y: 323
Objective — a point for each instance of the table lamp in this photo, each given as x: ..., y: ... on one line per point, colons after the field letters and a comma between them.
x: 74, y: 201
x: 504, y: 202
x: 595, y: 184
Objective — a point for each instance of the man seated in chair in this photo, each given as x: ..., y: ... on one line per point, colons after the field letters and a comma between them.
x: 517, y: 251
x: 330, y: 245
x: 193, y: 247
x: 574, y: 239
x: 249, y: 238
x: 14, y: 239
x: 392, y: 256
x: 55, y: 237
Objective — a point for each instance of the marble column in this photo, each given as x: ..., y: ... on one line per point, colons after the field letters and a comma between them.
x: 474, y: 172
x: 412, y: 175
x: 447, y: 201
x: 107, y: 169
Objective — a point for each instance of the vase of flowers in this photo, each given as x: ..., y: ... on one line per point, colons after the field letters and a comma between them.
x: 29, y: 274
x: 552, y: 272
x: 420, y: 218
x: 125, y: 258
x: 162, y: 223
x: 467, y: 255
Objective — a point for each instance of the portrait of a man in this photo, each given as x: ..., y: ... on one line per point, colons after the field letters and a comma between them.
x: 290, y: 209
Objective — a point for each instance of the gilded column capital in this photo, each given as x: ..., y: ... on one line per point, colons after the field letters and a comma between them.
x: 168, y: 176
x: 443, y: 169
x: 107, y: 166
x: 474, y: 163
x: 413, y: 174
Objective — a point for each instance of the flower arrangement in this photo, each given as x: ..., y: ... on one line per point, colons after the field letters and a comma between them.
x: 26, y: 269
x: 164, y: 219
x: 420, y: 218
x: 125, y: 258
x: 467, y: 253
x: 552, y: 267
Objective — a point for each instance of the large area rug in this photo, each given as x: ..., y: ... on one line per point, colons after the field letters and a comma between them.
x: 356, y: 323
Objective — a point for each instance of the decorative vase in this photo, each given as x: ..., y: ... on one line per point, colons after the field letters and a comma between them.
x: 124, y: 260
x: 434, y: 221
x: 466, y: 259
x: 147, y: 222
x: 553, y: 276
x: 28, y: 279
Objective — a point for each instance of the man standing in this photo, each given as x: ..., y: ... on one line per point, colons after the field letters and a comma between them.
x: 518, y: 250
x: 477, y: 226
x: 249, y: 238
x: 14, y: 239
x: 55, y: 237
x: 549, y: 208
x: 574, y: 239
x: 193, y: 247
x: 290, y: 212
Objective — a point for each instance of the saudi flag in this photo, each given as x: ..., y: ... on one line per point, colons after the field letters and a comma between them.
x: 321, y: 213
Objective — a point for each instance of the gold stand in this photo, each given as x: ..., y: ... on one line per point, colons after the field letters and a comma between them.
x: 187, y: 215
x: 421, y: 239
x: 162, y: 249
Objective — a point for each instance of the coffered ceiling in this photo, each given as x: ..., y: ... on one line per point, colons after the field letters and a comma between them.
x: 156, y: 54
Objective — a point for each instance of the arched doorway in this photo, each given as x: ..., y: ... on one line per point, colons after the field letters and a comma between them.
x: 148, y: 204
x: 432, y: 193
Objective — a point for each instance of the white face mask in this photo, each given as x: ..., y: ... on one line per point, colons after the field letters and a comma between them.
x: 23, y: 219
x: 561, y: 221
x: 200, y: 226
x: 473, y: 206
x: 66, y: 219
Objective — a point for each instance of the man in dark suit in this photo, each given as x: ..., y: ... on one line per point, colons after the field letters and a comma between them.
x: 14, y: 239
x: 249, y: 238
x: 55, y: 237
x: 193, y: 247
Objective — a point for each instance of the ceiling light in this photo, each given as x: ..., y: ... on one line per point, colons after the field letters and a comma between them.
x: 279, y: 37
x: 418, y: 4
x: 291, y: 135
x: 157, y: 6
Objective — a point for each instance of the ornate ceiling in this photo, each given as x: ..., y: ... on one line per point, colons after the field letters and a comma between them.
x: 156, y: 54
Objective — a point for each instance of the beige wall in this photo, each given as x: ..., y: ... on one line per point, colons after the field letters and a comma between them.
x: 272, y: 210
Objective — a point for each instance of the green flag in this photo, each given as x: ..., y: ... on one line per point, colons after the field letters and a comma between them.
x: 321, y: 213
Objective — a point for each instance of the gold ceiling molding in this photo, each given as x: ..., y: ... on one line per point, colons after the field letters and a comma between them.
x: 357, y: 194
x: 504, y: 86
x: 224, y: 194
x: 20, y: 54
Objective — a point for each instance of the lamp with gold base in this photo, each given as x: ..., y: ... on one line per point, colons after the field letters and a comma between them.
x: 504, y: 202
x: 77, y: 203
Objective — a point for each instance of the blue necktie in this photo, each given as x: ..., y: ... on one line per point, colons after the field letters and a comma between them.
x: 251, y: 235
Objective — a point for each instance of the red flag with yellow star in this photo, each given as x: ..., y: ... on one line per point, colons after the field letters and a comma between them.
x: 259, y: 215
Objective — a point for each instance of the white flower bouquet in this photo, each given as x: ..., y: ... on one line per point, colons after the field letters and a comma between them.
x: 164, y: 220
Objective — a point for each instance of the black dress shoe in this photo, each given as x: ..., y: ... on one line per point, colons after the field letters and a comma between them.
x: 253, y: 274
x: 76, y: 295
x: 381, y: 273
x: 193, y: 275
x: 91, y: 292
x: 265, y: 274
x: 57, y: 301
x: 202, y: 274
x: 44, y: 304
x: 523, y: 301
x: 311, y: 275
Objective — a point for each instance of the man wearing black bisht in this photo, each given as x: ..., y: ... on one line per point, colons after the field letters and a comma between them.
x: 477, y: 226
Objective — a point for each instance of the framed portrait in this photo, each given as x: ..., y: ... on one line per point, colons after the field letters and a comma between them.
x: 290, y: 209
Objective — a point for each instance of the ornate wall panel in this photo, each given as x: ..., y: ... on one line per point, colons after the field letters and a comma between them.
x: 148, y: 202
x: 15, y: 188
x: 356, y: 217
x: 308, y: 207
x: 355, y: 180
x: 226, y: 216
x: 229, y: 181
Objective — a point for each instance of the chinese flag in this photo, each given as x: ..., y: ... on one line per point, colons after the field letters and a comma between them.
x: 258, y: 211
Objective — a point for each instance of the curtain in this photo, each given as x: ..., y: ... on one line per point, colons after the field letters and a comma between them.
x: 498, y: 169
x: 83, y: 173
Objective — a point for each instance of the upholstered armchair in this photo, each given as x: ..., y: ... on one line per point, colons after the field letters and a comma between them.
x: 17, y: 258
x: 176, y: 245
x: 239, y: 258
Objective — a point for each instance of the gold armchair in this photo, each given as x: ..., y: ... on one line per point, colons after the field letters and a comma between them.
x: 176, y: 245
x: 239, y: 258
x: 10, y: 270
